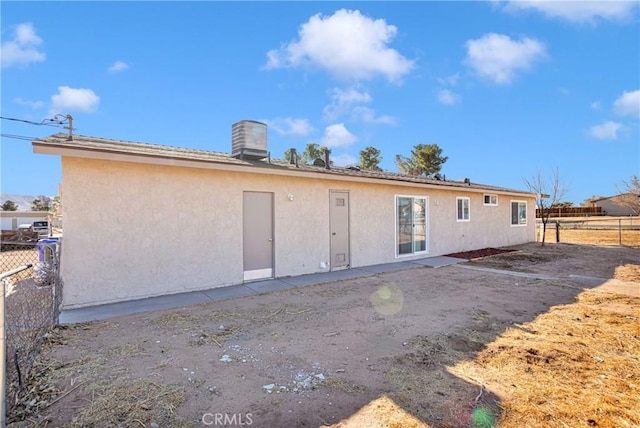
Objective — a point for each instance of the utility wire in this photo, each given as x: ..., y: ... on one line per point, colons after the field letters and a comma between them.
x: 43, y: 123
x: 18, y: 137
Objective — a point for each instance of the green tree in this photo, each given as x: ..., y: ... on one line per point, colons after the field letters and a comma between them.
x: 370, y: 158
x: 425, y: 159
x: 41, y: 203
x: 9, y: 206
x: 311, y: 152
x: 562, y: 205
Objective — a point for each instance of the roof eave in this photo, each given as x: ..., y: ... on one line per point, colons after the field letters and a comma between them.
x: 66, y: 148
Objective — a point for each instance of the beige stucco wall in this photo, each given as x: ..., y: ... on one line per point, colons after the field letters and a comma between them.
x: 615, y: 206
x: 136, y: 230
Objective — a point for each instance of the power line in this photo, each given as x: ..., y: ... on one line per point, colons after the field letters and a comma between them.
x: 18, y: 137
x: 57, y: 123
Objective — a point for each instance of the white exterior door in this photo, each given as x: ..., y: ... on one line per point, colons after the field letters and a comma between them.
x: 257, y: 235
x: 339, y: 228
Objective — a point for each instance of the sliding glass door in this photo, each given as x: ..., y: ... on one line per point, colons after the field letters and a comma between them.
x: 411, y: 225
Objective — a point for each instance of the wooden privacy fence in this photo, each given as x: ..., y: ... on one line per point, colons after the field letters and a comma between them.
x: 572, y: 212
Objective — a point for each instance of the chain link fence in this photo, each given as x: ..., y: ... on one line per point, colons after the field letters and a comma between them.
x: 601, y: 231
x: 32, y: 299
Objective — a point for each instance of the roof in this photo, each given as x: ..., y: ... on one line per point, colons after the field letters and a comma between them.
x: 618, y: 196
x: 82, y: 146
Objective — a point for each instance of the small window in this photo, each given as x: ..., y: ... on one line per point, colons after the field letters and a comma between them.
x: 491, y: 200
x: 463, y: 208
x: 339, y: 202
x: 518, y: 213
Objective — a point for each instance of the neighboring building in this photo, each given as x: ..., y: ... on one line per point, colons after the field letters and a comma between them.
x: 12, y: 219
x: 615, y: 205
x: 144, y: 220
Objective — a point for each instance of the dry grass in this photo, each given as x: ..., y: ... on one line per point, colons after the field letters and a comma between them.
x: 576, y: 365
x: 630, y: 238
x: 627, y: 273
x: 129, y: 403
x: 382, y: 412
x: 115, y: 401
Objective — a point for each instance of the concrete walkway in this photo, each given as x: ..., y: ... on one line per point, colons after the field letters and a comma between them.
x: 112, y: 310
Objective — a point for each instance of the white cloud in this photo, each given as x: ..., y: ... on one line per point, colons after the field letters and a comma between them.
x: 628, y: 104
x: 22, y: 50
x: 74, y: 99
x: 342, y: 102
x: 596, y: 105
x: 290, y: 126
x: 368, y: 115
x: 350, y: 102
x: 577, y: 11
x: 32, y: 104
x: 449, y: 80
x: 337, y: 135
x: 118, y: 66
x: 447, y: 97
x: 344, y: 159
x: 347, y: 44
x: 606, y: 131
x: 497, y: 57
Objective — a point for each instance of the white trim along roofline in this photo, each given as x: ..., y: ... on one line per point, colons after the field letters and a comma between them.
x: 115, y: 150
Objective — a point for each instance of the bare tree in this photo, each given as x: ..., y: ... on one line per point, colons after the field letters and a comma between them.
x: 549, y: 192
x: 630, y: 194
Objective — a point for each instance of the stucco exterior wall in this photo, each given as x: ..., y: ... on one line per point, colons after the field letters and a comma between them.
x: 137, y: 230
x: 21, y: 217
x: 613, y: 206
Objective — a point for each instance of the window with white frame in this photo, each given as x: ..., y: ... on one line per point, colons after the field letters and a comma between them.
x: 518, y: 213
x: 491, y: 200
x: 463, y: 208
x: 411, y: 225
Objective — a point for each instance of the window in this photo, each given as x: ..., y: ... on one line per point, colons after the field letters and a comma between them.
x: 463, y: 209
x: 411, y: 225
x: 491, y: 200
x: 518, y: 213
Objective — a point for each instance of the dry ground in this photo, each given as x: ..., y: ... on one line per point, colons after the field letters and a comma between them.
x: 459, y: 346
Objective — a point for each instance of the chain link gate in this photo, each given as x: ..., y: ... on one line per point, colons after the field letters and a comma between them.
x: 32, y: 298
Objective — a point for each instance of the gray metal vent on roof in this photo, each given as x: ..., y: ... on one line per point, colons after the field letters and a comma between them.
x: 249, y: 140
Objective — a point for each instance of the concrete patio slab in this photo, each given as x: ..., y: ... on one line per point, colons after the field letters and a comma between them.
x: 387, y: 267
x: 439, y: 261
x: 268, y: 286
x: 112, y: 310
x: 230, y: 292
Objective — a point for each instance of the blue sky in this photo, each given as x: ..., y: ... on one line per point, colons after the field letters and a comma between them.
x: 506, y: 89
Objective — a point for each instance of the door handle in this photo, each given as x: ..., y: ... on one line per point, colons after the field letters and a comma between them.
x: 270, y: 239
x: 334, y: 234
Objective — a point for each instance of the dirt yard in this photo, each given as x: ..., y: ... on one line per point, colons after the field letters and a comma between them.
x: 492, y: 341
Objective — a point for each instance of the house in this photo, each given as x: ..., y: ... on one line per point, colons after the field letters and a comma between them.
x: 617, y: 205
x: 12, y: 219
x: 144, y: 220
